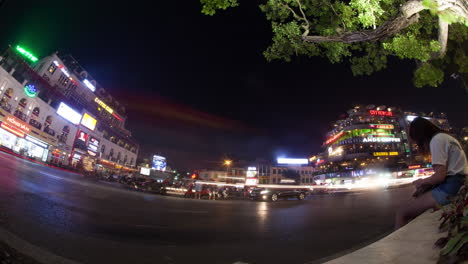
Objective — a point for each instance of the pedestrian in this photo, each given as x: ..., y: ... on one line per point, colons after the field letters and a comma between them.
x: 450, y: 169
x: 198, y: 189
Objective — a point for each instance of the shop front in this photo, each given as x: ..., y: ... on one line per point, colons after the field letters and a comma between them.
x: 16, y: 135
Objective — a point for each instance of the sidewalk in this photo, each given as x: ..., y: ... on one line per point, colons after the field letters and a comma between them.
x: 412, y: 244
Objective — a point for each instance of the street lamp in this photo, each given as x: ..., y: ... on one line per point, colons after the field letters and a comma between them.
x: 227, y: 163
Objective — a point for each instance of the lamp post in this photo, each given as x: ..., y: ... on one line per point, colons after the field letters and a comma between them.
x: 227, y: 163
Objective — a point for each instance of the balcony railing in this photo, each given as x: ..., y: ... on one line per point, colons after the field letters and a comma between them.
x: 49, y: 131
x: 6, y: 107
x: 20, y: 115
x: 35, y: 124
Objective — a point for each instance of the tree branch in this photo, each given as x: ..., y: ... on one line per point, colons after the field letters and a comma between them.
x: 407, y: 16
x: 443, y: 36
x: 307, y: 25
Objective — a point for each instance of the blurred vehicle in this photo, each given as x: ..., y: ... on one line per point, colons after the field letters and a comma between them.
x: 274, y: 194
x: 153, y: 187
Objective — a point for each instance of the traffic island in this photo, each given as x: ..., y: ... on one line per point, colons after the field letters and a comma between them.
x: 411, y: 244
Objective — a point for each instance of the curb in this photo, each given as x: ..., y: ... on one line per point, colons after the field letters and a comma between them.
x: 32, y: 251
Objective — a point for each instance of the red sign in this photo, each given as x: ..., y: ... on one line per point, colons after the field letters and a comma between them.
x: 83, y: 136
x: 117, y: 116
x: 319, y: 161
x: 334, y: 138
x: 380, y: 113
x: 18, y: 124
x: 381, y: 126
x: 412, y: 167
x: 13, y: 130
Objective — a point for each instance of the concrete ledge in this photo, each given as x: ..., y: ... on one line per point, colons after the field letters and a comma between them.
x: 34, y: 252
x: 411, y: 244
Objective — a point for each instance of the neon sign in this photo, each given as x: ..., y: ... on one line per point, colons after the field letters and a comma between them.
x: 26, y: 54
x: 11, y: 129
x: 89, y: 85
x: 18, y: 124
x: 319, y: 161
x: 381, y: 126
x: 381, y: 140
x: 377, y: 154
x: 334, y: 138
x: 380, y: 113
x: 103, y: 105
x: 412, y: 167
x: 30, y: 90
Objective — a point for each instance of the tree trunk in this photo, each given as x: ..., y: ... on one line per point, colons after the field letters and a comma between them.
x: 408, y: 15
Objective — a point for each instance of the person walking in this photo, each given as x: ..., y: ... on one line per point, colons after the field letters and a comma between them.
x: 450, y: 170
x: 198, y: 189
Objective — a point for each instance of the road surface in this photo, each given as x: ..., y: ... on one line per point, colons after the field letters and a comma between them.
x: 96, y: 223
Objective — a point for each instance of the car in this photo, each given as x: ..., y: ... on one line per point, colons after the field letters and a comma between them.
x: 274, y: 194
x: 153, y: 187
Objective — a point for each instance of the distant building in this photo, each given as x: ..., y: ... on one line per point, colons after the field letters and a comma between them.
x: 370, y: 138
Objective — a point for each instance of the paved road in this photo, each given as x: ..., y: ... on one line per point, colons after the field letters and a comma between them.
x: 95, y: 223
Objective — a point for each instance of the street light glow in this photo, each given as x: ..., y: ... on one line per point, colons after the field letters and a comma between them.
x: 228, y: 162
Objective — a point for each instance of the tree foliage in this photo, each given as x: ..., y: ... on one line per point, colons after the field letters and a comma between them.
x: 366, y: 33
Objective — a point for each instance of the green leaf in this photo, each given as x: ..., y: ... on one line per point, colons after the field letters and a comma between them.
x: 428, y: 75
x: 452, y: 243
x: 209, y: 7
x: 459, y: 245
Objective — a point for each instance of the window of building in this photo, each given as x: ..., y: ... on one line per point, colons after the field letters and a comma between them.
x: 52, y: 68
x: 63, y: 80
x: 274, y: 171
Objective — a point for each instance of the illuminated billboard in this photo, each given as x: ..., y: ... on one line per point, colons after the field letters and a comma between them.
x: 381, y: 126
x: 68, y: 113
x: 103, y: 105
x: 392, y: 153
x: 89, y: 85
x: 251, y: 172
x: 88, y: 121
x: 28, y: 55
x: 380, y: 113
x: 159, y: 163
x: 334, y: 138
x: 93, y: 144
x: 292, y: 161
x: 381, y: 140
x: 145, y: 171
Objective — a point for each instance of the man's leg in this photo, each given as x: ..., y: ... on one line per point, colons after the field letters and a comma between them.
x: 414, y: 208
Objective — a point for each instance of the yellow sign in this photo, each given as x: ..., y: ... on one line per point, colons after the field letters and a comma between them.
x: 88, y: 121
x: 103, y: 105
x: 377, y: 154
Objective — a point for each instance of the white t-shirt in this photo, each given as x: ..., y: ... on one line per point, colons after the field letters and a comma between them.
x: 445, y: 150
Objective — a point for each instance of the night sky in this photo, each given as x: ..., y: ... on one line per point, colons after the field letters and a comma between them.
x: 198, y: 88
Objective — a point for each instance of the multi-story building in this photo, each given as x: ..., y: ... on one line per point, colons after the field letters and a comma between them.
x: 370, y: 138
x: 274, y: 173
x: 54, y: 104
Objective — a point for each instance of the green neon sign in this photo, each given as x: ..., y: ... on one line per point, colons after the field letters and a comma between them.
x: 26, y: 54
x: 30, y: 90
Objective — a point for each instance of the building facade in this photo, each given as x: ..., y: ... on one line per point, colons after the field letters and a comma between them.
x: 371, y: 138
x: 54, y: 104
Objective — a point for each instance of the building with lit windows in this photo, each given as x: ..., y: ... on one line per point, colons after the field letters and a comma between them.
x: 54, y: 104
x: 371, y: 138
x: 285, y: 171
